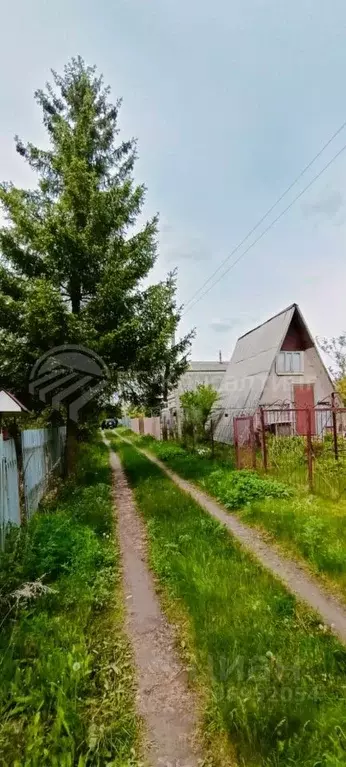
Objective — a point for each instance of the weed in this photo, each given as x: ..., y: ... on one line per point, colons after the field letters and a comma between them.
x: 237, y: 488
x: 168, y: 450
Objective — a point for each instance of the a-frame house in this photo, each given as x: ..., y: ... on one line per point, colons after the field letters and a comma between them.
x: 276, y: 365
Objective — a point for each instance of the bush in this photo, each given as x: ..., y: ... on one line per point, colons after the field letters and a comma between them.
x: 237, y: 488
x: 167, y: 450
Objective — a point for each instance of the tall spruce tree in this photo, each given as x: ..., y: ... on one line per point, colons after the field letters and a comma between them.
x: 72, y: 263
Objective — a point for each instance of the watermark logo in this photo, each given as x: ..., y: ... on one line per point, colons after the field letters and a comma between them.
x: 68, y: 374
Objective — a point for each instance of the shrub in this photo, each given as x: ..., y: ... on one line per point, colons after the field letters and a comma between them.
x: 167, y: 450
x: 237, y: 488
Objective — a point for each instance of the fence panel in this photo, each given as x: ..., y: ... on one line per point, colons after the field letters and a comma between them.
x: 9, y: 489
x: 152, y: 426
x: 135, y: 425
x: 284, y: 444
x: 42, y: 454
x: 306, y: 446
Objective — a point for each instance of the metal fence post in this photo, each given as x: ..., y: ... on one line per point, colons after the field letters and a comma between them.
x: 236, y: 443
x: 164, y: 429
x: 252, y: 442
x: 309, y: 450
x: 264, y: 443
x: 335, y: 431
x: 212, y: 438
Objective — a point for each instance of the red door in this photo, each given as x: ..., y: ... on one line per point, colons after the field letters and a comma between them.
x: 304, y: 398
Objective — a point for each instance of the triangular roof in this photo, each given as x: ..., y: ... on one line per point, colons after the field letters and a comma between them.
x: 10, y: 404
x: 251, y: 364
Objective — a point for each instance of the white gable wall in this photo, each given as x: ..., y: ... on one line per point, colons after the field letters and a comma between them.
x: 279, y: 388
x: 248, y: 370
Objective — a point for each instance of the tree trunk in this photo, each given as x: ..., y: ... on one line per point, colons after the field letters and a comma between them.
x: 75, y: 295
x: 70, y: 448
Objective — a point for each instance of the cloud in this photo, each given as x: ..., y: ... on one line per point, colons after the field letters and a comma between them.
x: 224, y: 324
x: 186, y: 252
x: 180, y: 246
x: 221, y: 326
x: 327, y: 206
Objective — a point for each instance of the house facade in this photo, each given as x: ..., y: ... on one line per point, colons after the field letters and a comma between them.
x: 276, y: 366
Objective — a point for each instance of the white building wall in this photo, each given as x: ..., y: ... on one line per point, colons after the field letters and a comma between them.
x: 279, y: 388
x: 189, y: 382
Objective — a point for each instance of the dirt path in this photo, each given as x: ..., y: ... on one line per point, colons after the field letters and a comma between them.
x: 307, y: 588
x: 165, y: 702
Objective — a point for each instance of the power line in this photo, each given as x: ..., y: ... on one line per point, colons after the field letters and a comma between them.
x: 302, y: 173
x: 315, y: 178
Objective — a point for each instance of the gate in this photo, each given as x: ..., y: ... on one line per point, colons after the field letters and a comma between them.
x: 244, y: 442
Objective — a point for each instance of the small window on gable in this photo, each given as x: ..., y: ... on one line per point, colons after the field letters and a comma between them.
x: 297, y: 359
x: 290, y: 363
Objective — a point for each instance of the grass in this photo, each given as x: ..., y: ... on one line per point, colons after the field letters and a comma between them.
x: 275, y: 680
x: 307, y: 526
x: 66, y: 685
x: 287, y: 457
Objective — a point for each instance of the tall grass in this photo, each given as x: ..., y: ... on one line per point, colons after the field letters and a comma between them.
x: 66, y: 693
x: 276, y: 680
x: 307, y: 526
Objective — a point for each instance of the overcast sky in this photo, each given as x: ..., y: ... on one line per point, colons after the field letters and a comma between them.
x: 229, y: 101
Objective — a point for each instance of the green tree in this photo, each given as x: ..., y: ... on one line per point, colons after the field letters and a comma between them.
x: 335, y: 349
x: 197, y: 406
x: 73, y: 258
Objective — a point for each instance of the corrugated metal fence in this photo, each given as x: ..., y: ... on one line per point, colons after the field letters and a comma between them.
x: 9, y: 488
x: 42, y: 453
x: 125, y: 421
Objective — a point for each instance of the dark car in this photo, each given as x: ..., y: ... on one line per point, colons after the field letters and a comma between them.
x: 109, y: 423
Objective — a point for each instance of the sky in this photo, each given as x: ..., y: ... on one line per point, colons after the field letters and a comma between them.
x: 229, y: 102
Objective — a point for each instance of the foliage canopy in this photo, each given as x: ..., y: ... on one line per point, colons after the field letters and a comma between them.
x: 73, y: 258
